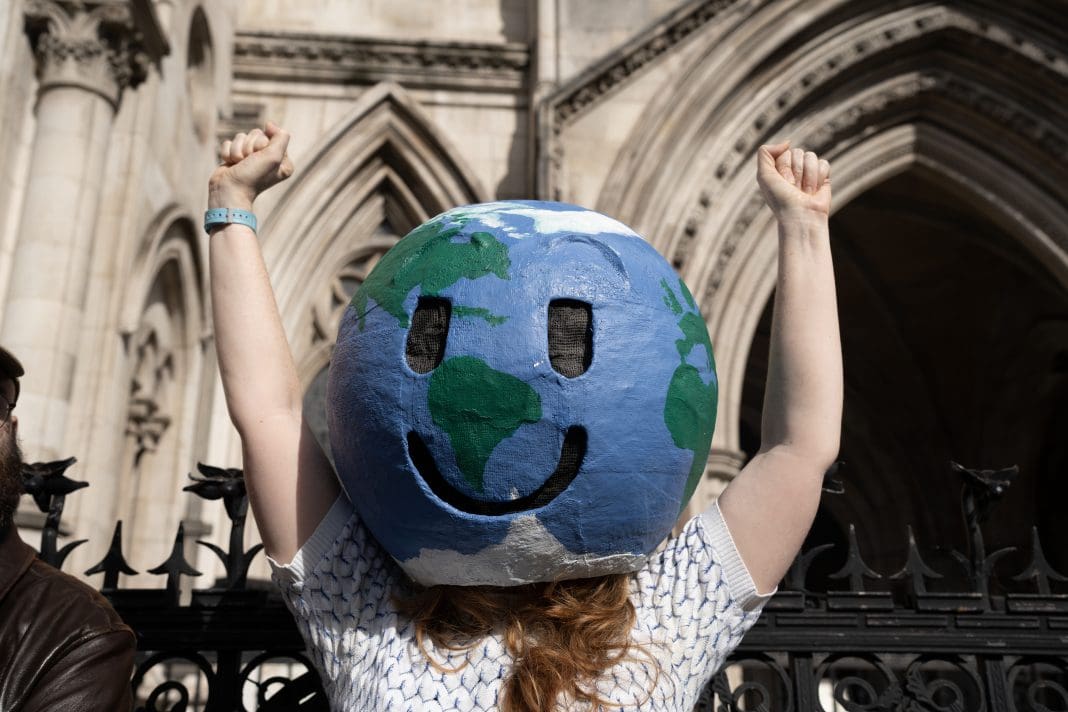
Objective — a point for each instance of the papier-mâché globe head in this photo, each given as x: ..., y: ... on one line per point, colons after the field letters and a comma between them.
x: 521, y: 391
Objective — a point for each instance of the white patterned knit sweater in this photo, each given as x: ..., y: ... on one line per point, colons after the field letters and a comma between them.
x: 694, y: 600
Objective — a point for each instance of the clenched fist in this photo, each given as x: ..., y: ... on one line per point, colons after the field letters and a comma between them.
x: 251, y: 163
x: 795, y: 183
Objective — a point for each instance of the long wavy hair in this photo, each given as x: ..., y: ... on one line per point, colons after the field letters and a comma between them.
x: 562, y: 636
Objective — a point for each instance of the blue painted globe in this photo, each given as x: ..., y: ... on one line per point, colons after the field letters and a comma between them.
x: 521, y: 391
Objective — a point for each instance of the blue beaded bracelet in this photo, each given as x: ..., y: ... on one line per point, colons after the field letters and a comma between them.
x: 226, y: 216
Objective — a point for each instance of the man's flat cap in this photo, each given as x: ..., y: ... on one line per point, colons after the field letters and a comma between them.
x: 9, y: 365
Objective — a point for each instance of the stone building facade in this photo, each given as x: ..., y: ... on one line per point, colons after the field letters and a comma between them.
x: 946, y: 123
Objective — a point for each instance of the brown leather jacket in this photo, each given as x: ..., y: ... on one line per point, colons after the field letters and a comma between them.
x: 62, y: 646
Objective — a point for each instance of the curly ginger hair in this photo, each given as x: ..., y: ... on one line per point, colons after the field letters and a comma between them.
x: 562, y: 635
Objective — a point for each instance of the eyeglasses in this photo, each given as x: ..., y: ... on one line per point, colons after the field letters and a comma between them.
x: 6, y: 407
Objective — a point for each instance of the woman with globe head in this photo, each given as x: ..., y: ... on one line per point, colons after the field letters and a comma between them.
x: 521, y: 401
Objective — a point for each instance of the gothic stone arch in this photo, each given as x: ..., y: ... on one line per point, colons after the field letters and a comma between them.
x: 163, y: 326
x: 968, y: 93
x: 381, y: 171
x: 385, y: 157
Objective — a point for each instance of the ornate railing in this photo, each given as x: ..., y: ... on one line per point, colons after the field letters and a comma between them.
x: 233, y: 646
x: 909, y: 649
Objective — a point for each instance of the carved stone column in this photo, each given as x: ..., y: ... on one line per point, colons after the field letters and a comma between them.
x: 88, y: 52
x: 544, y: 79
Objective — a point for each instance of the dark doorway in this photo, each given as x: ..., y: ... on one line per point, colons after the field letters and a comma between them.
x: 955, y: 344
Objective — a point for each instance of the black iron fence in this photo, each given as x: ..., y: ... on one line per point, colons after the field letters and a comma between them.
x: 233, y: 646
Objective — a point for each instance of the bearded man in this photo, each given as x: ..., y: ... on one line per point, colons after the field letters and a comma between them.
x: 62, y: 646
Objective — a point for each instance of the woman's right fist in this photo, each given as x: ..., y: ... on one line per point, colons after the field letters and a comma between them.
x: 251, y: 163
x: 794, y: 182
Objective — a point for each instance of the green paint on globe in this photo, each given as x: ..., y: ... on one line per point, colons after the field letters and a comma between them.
x: 478, y: 407
x: 670, y: 299
x: 429, y: 258
x: 695, y: 333
x: 690, y: 416
x: 489, y: 317
x: 690, y: 406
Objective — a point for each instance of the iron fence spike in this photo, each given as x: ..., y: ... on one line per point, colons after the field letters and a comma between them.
x: 113, y: 563
x: 65, y: 551
x: 1038, y: 568
x: 798, y: 572
x: 855, y: 568
x: 916, y: 569
x: 176, y: 565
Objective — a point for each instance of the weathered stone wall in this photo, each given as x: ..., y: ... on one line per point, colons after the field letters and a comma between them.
x: 588, y: 31
x: 105, y: 288
x: 496, y: 21
x: 18, y: 88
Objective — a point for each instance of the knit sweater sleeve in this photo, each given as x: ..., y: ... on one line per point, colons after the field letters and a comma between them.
x: 324, y: 540
x: 337, y: 583
x: 700, y: 598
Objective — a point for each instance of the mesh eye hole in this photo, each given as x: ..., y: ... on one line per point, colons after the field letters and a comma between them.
x: 427, y: 335
x: 570, y: 336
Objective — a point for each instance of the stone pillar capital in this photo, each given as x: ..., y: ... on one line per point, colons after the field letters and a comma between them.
x: 102, y: 46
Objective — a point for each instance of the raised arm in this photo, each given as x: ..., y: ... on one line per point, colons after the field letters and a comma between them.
x: 770, y: 506
x: 290, y: 482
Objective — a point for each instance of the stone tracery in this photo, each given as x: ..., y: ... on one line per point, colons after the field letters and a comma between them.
x: 164, y: 350
x: 153, y: 379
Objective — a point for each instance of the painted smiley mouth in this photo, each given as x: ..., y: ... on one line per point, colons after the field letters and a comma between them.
x: 572, y: 453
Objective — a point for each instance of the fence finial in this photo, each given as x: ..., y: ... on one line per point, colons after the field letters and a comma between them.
x: 113, y: 563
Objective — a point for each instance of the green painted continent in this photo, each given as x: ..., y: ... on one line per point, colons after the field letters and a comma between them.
x: 690, y: 415
x: 690, y: 407
x: 429, y: 258
x: 478, y: 407
x: 695, y: 334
